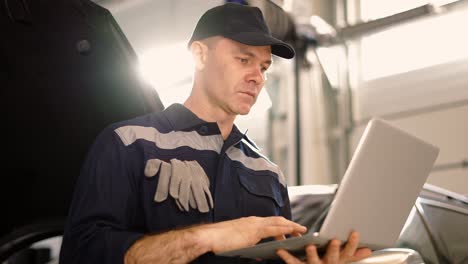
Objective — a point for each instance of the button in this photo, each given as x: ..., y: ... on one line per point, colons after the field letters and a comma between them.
x: 203, y: 130
x: 83, y: 47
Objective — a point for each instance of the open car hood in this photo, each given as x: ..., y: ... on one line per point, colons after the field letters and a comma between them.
x: 67, y: 72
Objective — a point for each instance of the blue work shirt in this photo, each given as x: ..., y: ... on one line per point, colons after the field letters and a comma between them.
x: 114, y: 202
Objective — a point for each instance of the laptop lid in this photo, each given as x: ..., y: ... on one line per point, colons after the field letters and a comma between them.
x: 383, y: 180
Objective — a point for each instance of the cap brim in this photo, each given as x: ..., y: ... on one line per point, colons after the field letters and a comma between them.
x: 278, y: 47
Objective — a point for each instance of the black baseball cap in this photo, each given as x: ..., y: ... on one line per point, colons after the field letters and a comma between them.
x: 241, y: 23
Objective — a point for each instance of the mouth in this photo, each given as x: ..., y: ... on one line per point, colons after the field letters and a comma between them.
x: 251, y: 94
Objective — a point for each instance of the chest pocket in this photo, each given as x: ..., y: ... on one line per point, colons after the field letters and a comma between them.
x: 261, y: 194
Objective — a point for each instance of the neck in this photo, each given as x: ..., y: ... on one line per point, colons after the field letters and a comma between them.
x: 211, y: 113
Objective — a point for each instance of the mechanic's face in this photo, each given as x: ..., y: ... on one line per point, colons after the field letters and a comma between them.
x: 235, y: 74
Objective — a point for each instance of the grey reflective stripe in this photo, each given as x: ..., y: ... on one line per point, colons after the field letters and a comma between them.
x: 171, y: 140
x: 256, y: 164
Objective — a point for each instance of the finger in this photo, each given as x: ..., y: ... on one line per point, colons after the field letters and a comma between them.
x: 185, y: 192
x: 192, y: 202
x: 179, y: 205
x: 283, y: 237
x: 273, y: 231
x: 280, y: 237
x: 207, y: 191
x: 204, y: 181
x: 350, y: 246
x: 198, y: 190
x: 176, y: 177
x: 152, y: 167
x: 163, y: 182
x: 199, y: 195
x: 281, y: 221
x: 333, y: 251
x: 312, y: 255
x: 296, y: 234
x: 287, y: 257
x: 205, y: 178
x: 361, y: 253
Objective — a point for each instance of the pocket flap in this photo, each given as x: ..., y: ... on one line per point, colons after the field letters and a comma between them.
x: 262, y: 184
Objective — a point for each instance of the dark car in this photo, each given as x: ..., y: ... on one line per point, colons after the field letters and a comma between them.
x: 67, y: 71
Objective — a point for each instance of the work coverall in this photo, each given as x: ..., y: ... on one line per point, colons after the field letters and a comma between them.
x: 114, y: 201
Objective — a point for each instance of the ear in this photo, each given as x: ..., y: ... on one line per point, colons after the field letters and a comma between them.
x: 199, y: 52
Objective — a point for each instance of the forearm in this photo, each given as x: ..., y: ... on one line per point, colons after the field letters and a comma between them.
x: 180, y: 246
x: 183, y: 246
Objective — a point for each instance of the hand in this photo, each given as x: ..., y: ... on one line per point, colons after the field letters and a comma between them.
x: 350, y: 253
x: 184, y: 245
x: 247, y: 231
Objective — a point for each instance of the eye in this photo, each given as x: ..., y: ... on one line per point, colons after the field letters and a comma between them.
x: 243, y: 60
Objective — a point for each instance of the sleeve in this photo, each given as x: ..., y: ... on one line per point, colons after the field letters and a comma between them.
x: 103, y: 217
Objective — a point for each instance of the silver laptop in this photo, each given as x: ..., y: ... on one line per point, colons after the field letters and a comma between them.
x: 376, y: 194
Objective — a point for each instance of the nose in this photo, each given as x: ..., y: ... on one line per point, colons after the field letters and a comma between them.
x: 256, y: 76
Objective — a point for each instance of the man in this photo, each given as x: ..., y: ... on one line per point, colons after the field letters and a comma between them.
x: 183, y: 184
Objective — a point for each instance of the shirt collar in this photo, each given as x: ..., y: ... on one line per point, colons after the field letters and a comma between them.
x: 182, y: 119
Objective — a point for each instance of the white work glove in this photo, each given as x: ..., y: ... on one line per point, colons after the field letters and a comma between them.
x: 185, y: 181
